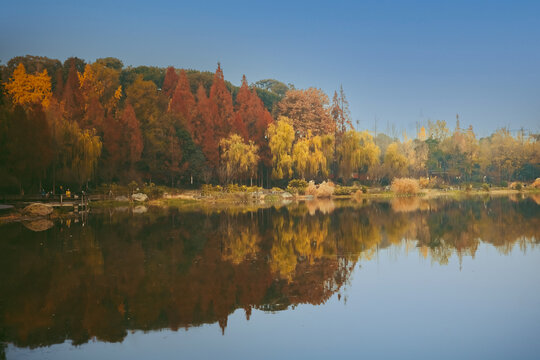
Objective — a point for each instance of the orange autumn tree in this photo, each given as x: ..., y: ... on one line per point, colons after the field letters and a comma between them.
x: 252, y: 120
x: 204, y: 129
x: 170, y: 81
x: 183, y: 104
x: 308, y: 110
x: 132, y: 140
x: 27, y: 89
x: 221, y: 105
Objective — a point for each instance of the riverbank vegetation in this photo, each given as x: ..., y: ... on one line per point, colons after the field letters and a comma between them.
x: 79, y: 125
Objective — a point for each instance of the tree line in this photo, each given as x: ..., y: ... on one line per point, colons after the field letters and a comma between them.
x: 80, y: 124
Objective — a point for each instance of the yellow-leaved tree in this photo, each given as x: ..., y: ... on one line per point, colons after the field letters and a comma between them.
x: 239, y: 160
x: 395, y: 162
x: 281, y: 138
x: 357, y: 151
x: 309, y: 158
x: 27, y: 89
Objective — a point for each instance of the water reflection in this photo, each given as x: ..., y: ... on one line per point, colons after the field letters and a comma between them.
x: 152, y: 269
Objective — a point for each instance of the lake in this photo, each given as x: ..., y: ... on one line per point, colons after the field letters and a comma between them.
x: 405, y: 278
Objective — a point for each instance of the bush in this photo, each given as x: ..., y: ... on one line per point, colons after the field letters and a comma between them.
x: 153, y: 191
x: 364, y: 190
x: 297, y: 186
x: 325, y: 190
x: 344, y: 190
x: 485, y: 187
x: 311, y: 189
x: 516, y: 186
x: 424, y: 182
x: 405, y: 186
x: 536, y: 184
x: 468, y: 187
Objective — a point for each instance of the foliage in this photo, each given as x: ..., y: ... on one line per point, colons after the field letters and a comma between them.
x: 239, y: 159
x: 405, y: 186
x: 297, y: 186
x: 281, y: 137
x: 345, y: 190
x: 308, y: 111
x: 27, y: 89
x: 357, y: 151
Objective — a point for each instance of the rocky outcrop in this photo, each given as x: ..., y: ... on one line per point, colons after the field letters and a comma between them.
x: 37, y: 209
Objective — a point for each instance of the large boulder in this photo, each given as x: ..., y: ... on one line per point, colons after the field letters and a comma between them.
x: 37, y: 209
x: 139, y: 197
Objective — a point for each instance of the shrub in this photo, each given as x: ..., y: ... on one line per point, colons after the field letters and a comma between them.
x: 485, y: 187
x: 468, y: 187
x: 536, y: 184
x: 297, y: 186
x: 325, y: 190
x: 424, y: 182
x: 344, y: 190
x: 208, y: 189
x: 405, y: 186
x: 153, y: 191
x: 364, y: 190
x: 311, y: 189
x: 516, y: 186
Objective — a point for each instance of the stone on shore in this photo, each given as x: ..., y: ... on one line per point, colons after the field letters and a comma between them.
x: 139, y: 197
x: 37, y: 209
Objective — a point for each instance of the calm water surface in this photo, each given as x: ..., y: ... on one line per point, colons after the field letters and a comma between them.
x: 406, y: 278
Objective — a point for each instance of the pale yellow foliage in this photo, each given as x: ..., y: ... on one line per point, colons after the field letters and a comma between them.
x: 240, y: 159
x: 356, y: 150
x: 405, y: 186
x: 281, y: 135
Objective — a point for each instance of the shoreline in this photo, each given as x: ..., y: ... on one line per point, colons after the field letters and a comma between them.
x: 254, y: 201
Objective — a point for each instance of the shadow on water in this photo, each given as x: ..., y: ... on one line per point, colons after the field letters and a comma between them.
x: 126, y: 270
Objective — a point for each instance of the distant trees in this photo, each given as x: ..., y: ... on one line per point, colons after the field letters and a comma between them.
x: 76, y: 124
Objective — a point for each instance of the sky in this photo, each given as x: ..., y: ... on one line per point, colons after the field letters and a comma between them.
x: 401, y: 63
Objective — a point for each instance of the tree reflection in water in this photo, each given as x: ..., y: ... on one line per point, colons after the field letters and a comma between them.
x: 177, y: 269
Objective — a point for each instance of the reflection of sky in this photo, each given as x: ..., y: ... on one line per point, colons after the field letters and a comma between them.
x: 399, y: 61
x: 397, y: 307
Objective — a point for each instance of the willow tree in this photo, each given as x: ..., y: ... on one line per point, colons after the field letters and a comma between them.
x: 238, y: 159
x: 309, y: 158
x: 281, y: 138
x: 357, y: 151
x: 394, y: 161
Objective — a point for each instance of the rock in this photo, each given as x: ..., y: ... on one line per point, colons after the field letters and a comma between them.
x: 38, y: 225
x: 139, y: 197
x: 286, y: 195
x: 37, y: 209
x: 121, y: 198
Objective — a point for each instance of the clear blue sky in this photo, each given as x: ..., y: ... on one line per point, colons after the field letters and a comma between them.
x: 399, y: 61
